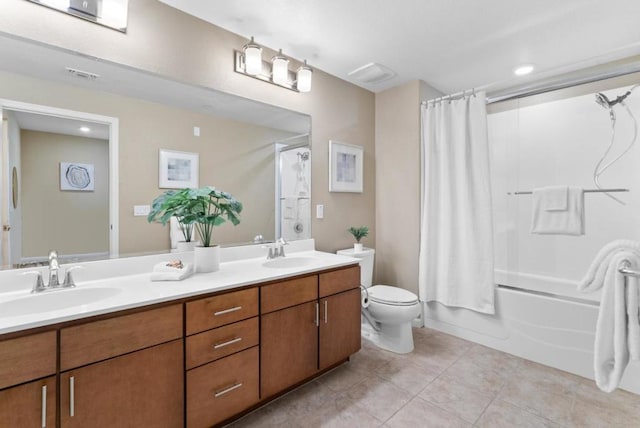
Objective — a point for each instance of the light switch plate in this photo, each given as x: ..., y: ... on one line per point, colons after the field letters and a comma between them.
x: 319, y: 211
x: 196, y: 131
x: 141, y: 210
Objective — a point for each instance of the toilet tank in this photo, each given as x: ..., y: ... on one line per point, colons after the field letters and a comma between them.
x: 366, y: 257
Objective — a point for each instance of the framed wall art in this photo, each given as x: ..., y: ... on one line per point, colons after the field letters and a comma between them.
x: 178, y: 170
x: 77, y: 176
x: 345, y: 167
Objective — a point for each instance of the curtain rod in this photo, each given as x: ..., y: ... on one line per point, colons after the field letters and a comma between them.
x: 531, y: 90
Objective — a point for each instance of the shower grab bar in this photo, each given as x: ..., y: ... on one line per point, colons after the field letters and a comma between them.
x: 530, y: 192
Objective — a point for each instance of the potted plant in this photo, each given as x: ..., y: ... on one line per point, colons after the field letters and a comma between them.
x: 358, y: 233
x: 171, y: 204
x: 206, y: 208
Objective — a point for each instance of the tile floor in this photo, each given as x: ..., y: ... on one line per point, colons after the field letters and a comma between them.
x: 446, y: 382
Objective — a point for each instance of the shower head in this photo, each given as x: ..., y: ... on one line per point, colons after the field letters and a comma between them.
x: 606, y: 103
x: 603, y: 100
x: 304, y: 156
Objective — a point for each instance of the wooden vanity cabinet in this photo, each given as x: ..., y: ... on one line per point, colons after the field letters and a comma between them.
x: 25, y: 399
x: 308, y: 324
x: 222, y: 357
x: 126, y: 371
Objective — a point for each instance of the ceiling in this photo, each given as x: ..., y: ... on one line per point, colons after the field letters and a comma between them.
x: 450, y: 44
x: 59, y: 125
x: 45, y: 62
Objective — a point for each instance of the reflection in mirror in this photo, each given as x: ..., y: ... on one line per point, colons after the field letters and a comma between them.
x: 293, y: 192
x: 239, y: 147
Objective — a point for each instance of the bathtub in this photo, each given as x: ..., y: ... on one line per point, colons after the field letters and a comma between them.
x: 539, y: 318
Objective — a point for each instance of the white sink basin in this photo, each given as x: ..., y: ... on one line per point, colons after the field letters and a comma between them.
x: 289, y: 262
x: 54, y: 300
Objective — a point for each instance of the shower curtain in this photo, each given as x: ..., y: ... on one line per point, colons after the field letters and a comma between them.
x: 456, y: 235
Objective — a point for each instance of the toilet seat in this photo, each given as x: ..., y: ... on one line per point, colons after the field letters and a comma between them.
x: 394, y: 296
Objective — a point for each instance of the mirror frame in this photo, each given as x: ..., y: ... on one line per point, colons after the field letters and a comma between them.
x: 113, y: 124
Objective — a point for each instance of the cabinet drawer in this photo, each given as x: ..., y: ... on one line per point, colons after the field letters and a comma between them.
x: 27, y: 358
x: 221, y: 389
x: 288, y: 293
x: 339, y: 281
x: 216, y: 311
x: 220, y: 342
x: 95, y: 341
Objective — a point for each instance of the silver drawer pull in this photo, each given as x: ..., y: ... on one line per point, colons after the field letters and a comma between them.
x: 226, y: 390
x: 72, y: 397
x: 230, y: 342
x: 226, y: 311
x: 44, y: 406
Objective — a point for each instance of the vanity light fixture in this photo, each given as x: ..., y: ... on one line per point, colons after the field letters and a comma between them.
x: 250, y: 63
x: 523, y: 69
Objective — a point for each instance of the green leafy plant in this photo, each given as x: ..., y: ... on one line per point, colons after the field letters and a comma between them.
x: 205, y: 208
x: 171, y: 204
x: 359, y: 232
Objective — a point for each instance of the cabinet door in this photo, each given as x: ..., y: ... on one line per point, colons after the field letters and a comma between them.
x: 30, y: 405
x: 141, y: 389
x: 288, y: 347
x: 339, y: 327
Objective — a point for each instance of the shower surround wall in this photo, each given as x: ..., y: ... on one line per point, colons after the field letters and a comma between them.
x: 552, y: 139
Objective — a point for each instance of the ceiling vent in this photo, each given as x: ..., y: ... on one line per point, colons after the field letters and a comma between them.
x: 372, y: 73
x: 82, y: 74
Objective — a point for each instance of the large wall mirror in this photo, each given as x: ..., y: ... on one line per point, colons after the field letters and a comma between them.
x: 61, y: 108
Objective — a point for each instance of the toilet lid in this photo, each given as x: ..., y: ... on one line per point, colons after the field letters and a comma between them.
x: 391, y: 295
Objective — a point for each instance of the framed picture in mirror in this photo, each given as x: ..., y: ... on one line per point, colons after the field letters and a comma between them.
x: 178, y: 170
x: 345, y: 167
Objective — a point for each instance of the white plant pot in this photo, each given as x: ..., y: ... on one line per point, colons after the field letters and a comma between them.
x: 358, y: 248
x: 183, y: 246
x: 206, y: 259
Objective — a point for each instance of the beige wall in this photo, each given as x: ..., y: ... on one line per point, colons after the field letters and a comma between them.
x: 234, y: 156
x: 71, y: 222
x: 168, y: 42
x: 397, y: 153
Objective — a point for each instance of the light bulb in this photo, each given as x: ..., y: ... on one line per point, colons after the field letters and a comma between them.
x: 303, y: 78
x: 252, y: 58
x: 280, y: 69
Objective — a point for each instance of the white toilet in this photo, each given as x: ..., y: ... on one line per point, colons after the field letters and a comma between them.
x: 387, y: 319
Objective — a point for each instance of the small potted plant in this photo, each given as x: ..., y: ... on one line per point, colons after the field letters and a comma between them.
x: 203, y: 208
x: 171, y: 204
x: 358, y: 233
x: 206, y: 208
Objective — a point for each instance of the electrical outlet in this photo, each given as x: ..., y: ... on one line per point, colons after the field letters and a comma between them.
x: 319, y: 211
x: 141, y: 210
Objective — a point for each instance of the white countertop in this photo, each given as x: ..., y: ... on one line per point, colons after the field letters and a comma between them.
x: 136, y: 290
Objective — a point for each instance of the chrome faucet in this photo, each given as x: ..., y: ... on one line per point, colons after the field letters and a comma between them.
x: 277, y: 250
x: 54, y: 280
x: 54, y: 276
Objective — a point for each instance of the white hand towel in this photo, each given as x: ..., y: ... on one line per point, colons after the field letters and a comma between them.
x: 611, y: 351
x: 618, y: 327
x: 558, y: 222
x: 554, y: 198
x: 164, y: 271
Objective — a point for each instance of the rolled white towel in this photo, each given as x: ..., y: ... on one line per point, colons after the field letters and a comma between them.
x: 171, y: 271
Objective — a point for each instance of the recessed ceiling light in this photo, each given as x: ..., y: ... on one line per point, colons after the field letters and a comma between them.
x: 85, y: 129
x: 523, y: 69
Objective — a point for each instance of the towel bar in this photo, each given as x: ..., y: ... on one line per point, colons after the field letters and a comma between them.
x: 624, y: 269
